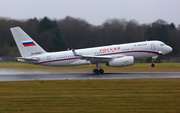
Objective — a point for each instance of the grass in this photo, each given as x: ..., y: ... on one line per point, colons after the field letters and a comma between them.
x: 137, y: 67
x: 85, y: 96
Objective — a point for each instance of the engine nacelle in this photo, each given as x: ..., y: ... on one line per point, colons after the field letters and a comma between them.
x: 120, y: 62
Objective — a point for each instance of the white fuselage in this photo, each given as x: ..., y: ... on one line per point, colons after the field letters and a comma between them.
x: 119, y: 55
x: 139, y: 50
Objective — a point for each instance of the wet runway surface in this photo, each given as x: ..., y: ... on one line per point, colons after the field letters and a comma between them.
x: 28, y: 76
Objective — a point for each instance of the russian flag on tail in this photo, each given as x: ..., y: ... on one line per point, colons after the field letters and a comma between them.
x: 27, y: 44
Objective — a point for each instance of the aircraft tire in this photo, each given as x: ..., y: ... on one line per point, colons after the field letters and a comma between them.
x: 96, y: 71
x: 101, y: 71
x: 152, y: 65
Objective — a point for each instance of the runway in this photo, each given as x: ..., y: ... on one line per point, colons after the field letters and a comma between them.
x: 30, y: 76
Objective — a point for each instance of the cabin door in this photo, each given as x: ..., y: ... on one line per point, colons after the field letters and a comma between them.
x: 152, y: 47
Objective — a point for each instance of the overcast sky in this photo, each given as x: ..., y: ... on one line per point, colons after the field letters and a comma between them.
x: 93, y: 11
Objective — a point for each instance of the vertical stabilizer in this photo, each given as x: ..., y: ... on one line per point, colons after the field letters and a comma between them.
x: 26, y: 45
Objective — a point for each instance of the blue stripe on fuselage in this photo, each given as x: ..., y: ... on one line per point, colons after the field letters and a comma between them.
x: 153, y: 52
x: 58, y: 60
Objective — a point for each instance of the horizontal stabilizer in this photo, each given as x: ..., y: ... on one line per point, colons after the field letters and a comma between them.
x: 28, y: 60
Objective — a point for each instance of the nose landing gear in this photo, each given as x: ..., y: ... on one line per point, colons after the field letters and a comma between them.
x: 152, y: 65
x: 153, y: 59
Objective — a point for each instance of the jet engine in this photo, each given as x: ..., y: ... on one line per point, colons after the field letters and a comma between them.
x: 120, y: 62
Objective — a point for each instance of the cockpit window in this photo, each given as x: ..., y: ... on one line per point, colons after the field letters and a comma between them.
x: 162, y: 44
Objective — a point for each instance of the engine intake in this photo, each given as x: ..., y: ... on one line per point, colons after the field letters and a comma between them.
x: 121, y: 62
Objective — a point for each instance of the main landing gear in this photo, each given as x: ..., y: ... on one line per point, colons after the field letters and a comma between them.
x: 98, y: 70
x: 153, y: 59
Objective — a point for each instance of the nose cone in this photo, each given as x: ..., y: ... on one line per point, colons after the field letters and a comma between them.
x: 168, y: 49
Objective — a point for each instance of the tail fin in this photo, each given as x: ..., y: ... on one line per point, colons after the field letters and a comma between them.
x: 26, y: 45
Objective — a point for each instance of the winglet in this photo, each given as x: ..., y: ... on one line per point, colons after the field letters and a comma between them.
x: 75, y: 54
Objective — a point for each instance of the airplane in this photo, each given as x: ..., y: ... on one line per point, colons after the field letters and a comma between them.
x: 118, y: 55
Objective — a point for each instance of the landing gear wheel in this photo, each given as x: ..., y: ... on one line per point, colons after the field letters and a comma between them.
x: 101, y: 71
x: 96, y: 71
x: 152, y: 65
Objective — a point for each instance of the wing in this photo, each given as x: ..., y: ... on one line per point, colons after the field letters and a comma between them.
x: 93, y: 58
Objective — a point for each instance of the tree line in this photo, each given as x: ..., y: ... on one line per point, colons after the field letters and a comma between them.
x: 75, y: 33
